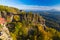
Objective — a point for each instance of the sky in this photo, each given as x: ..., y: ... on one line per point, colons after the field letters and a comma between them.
x: 32, y: 4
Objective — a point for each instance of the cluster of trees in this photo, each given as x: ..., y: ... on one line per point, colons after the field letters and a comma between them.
x: 19, y: 31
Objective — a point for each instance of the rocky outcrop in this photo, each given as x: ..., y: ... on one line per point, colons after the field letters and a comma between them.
x: 29, y: 18
x: 4, y: 33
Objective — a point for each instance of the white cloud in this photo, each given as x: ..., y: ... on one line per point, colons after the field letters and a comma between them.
x: 34, y: 7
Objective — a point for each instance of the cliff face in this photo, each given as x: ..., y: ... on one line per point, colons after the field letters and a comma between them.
x: 28, y: 18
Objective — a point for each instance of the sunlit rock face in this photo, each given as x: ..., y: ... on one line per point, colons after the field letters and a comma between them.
x: 4, y: 32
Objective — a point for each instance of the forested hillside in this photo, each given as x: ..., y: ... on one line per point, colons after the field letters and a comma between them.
x: 26, y: 25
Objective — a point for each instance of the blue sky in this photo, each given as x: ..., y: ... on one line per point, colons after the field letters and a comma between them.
x: 32, y: 4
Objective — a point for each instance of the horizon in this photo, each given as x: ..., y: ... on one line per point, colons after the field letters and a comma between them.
x: 32, y: 4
